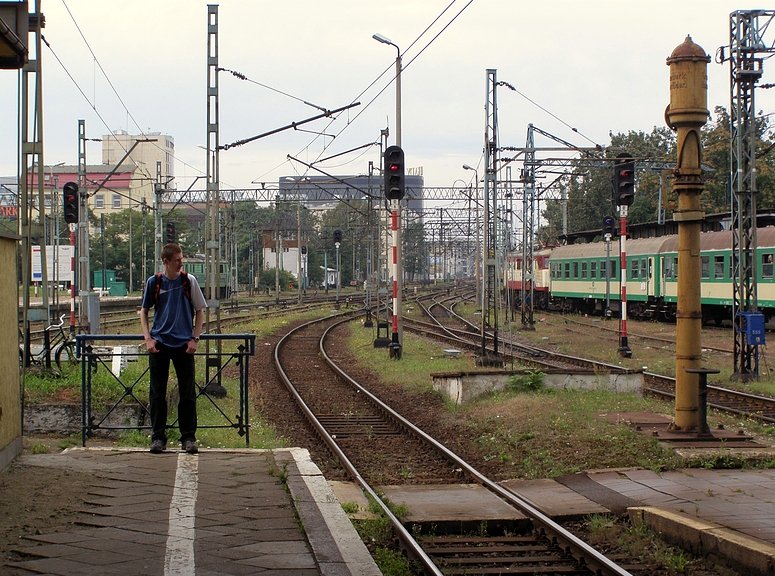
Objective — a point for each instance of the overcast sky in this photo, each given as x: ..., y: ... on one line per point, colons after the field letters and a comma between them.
x: 596, y: 65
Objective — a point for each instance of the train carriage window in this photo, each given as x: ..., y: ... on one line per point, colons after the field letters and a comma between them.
x: 575, y: 270
x: 567, y: 270
x: 644, y: 269
x: 767, y: 271
x: 634, y: 267
x: 593, y: 269
x: 705, y: 267
x: 614, y: 266
x: 718, y: 267
x: 602, y: 269
x: 584, y: 270
x: 669, y: 267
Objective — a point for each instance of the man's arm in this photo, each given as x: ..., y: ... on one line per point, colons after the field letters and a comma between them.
x: 194, y: 344
x: 150, y: 343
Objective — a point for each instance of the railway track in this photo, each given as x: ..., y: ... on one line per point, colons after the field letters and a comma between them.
x: 470, y: 338
x: 759, y: 408
x: 374, y: 444
x: 615, y: 333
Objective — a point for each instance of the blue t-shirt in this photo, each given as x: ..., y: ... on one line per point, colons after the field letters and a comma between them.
x: 173, y: 323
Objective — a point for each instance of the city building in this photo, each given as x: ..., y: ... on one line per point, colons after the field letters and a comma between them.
x: 153, y: 154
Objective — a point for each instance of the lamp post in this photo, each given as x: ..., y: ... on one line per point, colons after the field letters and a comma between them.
x: 384, y: 40
x: 477, y: 264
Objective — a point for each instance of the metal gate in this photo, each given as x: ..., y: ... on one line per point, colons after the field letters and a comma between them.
x: 108, y: 353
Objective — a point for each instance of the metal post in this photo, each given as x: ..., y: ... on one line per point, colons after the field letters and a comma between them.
x: 624, y: 349
x: 337, y: 275
x: 395, y: 226
x: 687, y: 113
x: 298, y: 247
x: 607, y: 275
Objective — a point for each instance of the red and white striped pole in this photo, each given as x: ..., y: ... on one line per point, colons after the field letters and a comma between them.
x: 395, y: 227
x: 73, y: 286
x: 624, y: 349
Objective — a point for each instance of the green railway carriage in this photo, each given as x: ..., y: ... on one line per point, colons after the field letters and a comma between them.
x: 196, y: 265
x: 716, y: 289
x: 577, y: 276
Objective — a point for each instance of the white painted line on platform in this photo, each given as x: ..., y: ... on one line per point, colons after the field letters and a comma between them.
x: 179, y: 560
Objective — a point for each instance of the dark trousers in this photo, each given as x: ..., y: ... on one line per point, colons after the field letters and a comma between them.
x: 159, y: 365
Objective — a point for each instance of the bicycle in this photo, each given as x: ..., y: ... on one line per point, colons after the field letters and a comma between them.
x: 61, y: 345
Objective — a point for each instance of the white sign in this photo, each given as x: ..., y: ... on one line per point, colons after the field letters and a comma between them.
x: 64, y: 268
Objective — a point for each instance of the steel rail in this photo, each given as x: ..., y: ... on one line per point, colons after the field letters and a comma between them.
x: 669, y: 382
x: 413, y: 546
x: 594, y: 559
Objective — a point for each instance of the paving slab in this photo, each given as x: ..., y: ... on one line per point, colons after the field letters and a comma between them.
x: 451, y: 503
x: 554, y: 499
x: 236, y: 513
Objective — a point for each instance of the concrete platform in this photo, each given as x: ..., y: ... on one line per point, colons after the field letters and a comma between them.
x: 224, y: 512
x: 453, y: 506
x: 553, y: 499
x: 727, y: 514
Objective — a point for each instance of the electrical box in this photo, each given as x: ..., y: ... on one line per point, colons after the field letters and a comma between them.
x: 752, y: 325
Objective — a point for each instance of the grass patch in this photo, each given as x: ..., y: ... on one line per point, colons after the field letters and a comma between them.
x: 638, y: 540
x: 377, y: 533
x: 419, y: 359
x: 534, y: 432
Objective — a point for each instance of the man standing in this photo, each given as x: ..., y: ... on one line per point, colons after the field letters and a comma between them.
x: 177, y: 324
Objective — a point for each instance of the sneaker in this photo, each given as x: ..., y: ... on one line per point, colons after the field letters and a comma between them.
x: 158, y: 446
x: 190, y: 446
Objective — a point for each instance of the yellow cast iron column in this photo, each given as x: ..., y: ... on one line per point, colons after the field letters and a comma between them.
x: 687, y: 114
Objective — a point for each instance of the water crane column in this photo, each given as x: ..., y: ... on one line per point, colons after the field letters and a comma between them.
x: 687, y: 113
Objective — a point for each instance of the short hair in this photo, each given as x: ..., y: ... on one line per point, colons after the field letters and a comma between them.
x: 170, y: 250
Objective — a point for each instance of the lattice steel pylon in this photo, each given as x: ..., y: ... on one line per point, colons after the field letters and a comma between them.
x: 490, y: 278
x: 747, y: 28
x: 528, y: 230
x: 212, y: 219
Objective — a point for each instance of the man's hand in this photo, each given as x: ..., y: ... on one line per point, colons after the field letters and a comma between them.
x: 150, y: 344
x: 192, y: 346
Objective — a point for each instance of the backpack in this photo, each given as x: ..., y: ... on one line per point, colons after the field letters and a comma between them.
x: 186, y: 290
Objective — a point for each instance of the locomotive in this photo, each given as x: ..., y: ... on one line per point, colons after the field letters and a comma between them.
x: 573, y: 278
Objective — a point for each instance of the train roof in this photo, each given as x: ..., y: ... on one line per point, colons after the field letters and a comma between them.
x: 722, y: 240
x: 597, y: 249
x: 709, y: 241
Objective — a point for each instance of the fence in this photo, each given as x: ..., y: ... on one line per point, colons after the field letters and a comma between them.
x: 112, y: 354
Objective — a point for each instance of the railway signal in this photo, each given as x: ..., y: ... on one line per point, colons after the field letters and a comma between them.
x: 395, y: 186
x: 70, y: 196
x: 624, y: 180
x: 337, y: 237
x: 609, y: 225
x: 170, y: 233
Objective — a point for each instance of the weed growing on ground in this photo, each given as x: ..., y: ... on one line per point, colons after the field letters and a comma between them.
x: 531, y: 381
x: 377, y: 533
x: 39, y: 448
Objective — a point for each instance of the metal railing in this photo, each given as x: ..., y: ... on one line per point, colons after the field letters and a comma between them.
x: 95, y: 350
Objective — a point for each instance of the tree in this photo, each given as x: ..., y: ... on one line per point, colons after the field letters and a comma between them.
x: 589, y: 185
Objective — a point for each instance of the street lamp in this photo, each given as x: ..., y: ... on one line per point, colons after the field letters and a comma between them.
x: 477, y: 265
x: 384, y: 40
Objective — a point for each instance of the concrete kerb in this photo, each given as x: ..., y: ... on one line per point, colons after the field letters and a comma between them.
x: 336, y: 544
x: 703, y: 538
x: 462, y: 387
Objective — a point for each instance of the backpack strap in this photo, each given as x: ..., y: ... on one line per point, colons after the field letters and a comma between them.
x: 185, y: 282
x: 157, y: 289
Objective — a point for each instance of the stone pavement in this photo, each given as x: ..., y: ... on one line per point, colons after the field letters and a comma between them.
x: 729, y: 514
x: 221, y: 512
